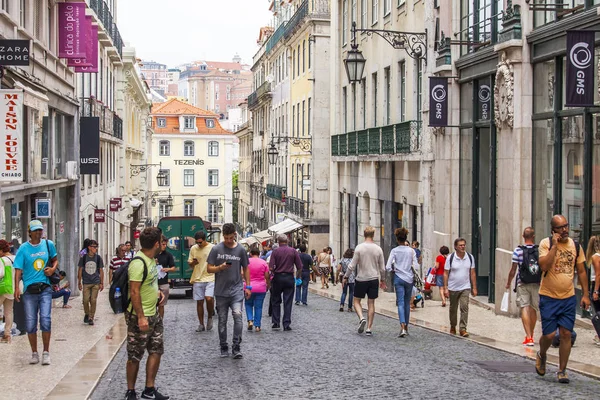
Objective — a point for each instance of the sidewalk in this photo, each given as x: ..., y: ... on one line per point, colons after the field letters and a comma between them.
x: 486, y: 328
x: 79, y: 353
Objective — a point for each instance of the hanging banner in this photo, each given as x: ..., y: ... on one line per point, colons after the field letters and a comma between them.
x: 438, y: 101
x: 92, y: 57
x: 580, y: 69
x: 99, y: 215
x: 11, y: 157
x: 87, y: 60
x: 71, y: 33
x: 485, y: 102
x: 89, y: 146
x: 14, y: 52
x: 114, y: 205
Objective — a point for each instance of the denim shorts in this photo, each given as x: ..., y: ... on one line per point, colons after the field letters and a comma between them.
x: 439, y: 281
x: 38, y: 304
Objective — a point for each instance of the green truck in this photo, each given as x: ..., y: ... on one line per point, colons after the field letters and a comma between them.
x: 180, y: 233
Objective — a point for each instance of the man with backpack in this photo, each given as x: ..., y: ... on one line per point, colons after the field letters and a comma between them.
x: 459, y: 275
x: 90, y: 276
x: 559, y: 256
x: 525, y: 260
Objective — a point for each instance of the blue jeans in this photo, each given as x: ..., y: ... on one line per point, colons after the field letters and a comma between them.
x: 254, y: 307
x: 302, y: 290
x: 348, y: 288
x: 403, y: 295
x: 35, y: 304
x: 64, y: 293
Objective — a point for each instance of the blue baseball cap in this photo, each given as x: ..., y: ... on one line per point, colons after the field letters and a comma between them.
x: 36, y: 225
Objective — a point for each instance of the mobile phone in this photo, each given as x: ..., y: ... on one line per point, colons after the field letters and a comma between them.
x: 228, y: 262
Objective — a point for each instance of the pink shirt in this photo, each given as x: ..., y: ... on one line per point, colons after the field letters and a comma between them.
x: 257, y: 268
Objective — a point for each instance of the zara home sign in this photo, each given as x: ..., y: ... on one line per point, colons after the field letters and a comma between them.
x: 14, y: 52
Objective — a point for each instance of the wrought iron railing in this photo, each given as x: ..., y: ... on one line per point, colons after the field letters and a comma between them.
x: 297, y: 207
x: 117, y: 127
x: 263, y: 90
x: 276, y: 192
x: 352, y: 143
x: 387, y: 139
x: 104, y: 15
x: 374, y: 141
x: 275, y: 37
x: 335, y: 146
x: 296, y: 19
x: 363, y: 142
x: 343, y: 144
x: 401, y: 138
x: 110, y: 123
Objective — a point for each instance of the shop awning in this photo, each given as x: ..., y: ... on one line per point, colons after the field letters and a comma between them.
x: 249, y: 241
x: 285, y: 226
x: 262, y: 236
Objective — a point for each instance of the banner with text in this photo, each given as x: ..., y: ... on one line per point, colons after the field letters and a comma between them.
x: 72, y: 36
x: 87, y: 60
x: 14, y: 52
x: 438, y: 101
x: 92, y: 57
x: 89, y: 146
x: 11, y: 157
x: 580, y: 69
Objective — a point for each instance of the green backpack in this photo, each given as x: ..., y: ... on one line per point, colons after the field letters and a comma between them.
x: 6, y: 283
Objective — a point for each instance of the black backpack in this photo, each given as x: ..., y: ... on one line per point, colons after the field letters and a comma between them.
x: 121, y: 280
x: 529, y: 269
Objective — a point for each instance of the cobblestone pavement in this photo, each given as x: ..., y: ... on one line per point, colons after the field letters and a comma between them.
x: 324, y: 358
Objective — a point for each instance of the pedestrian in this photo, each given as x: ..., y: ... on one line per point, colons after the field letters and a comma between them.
x: 35, y: 261
x: 282, y: 263
x: 62, y: 289
x: 415, y: 245
x: 144, y: 324
x: 7, y: 288
x: 203, y: 282
x: 403, y: 262
x: 165, y: 263
x: 368, y: 267
x: 333, y: 269
x: 90, y: 276
x: 525, y: 264
x: 459, y: 279
x: 440, y: 262
x: 324, y: 267
x: 313, y: 273
x: 129, y: 251
x: 117, y: 261
x: 266, y: 251
x: 559, y: 256
x: 227, y: 260
x: 347, y: 286
x: 593, y: 258
x: 260, y: 282
x: 307, y: 264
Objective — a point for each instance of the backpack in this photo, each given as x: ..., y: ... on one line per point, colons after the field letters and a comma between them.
x: 577, y: 248
x: 529, y: 269
x: 451, y: 258
x: 121, y: 281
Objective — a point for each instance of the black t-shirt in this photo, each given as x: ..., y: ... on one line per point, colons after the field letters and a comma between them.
x: 307, y: 262
x: 165, y: 260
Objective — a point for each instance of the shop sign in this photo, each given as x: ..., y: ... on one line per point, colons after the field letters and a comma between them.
x: 438, y: 101
x: 11, y: 157
x: 189, y: 162
x: 43, y: 208
x: 485, y: 96
x: 90, y: 62
x: 99, y: 215
x: 72, y: 33
x: 580, y: 69
x: 114, y: 206
x: 14, y: 52
x: 89, y: 146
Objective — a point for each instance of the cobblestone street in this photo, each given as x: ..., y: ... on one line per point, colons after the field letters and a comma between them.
x: 324, y: 358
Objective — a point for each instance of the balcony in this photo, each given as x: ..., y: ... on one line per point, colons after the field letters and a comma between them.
x: 263, y: 92
x: 275, y: 38
x: 104, y: 16
x: 110, y: 123
x: 117, y: 127
x: 402, y: 138
x: 296, y: 19
x: 319, y: 9
x: 276, y: 192
x: 297, y: 207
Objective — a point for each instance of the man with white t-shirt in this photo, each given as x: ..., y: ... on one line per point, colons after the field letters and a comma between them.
x: 459, y: 274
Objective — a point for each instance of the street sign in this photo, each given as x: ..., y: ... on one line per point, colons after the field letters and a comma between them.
x: 115, y: 205
x: 306, y: 184
x: 99, y: 215
x: 42, y: 208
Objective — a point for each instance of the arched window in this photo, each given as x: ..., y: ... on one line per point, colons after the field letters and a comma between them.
x: 213, y: 148
x: 188, y: 148
x: 164, y: 148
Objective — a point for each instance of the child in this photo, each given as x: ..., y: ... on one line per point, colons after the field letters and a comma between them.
x: 62, y: 289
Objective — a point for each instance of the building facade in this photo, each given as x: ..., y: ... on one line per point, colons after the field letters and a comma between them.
x: 157, y: 76
x: 195, y: 153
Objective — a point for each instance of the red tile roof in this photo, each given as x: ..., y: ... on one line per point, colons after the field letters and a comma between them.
x: 178, y: 107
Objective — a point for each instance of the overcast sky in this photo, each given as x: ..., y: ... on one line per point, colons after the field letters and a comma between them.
x: 174, y: 32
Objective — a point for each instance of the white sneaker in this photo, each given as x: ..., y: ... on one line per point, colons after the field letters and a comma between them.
x: 201, y: 328
x: 596, y: 340
x: 45, y: 358
x: 402, y: 333
x: 35, y: 358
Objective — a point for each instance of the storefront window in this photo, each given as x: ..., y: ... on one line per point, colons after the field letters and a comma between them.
x: 572, y: 170
x: 466, y: 184
x: 543, y: 164
x: 543, y: 90
x: 466, y: 103
x: 595, y: 214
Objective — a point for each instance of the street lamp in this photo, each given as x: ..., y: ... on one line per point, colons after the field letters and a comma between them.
x: 355, y: 63
x: 170, y: 201
x: 236, y: 193
x: 272, y: 153
x: 161, y: 178
x: 220, y: 207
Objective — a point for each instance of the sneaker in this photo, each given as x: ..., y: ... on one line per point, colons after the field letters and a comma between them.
x: 562, y: 376
x: 224, y: 351
x: 297, y: 303
x: 237, y: 353
x: 35, y: 358
x: 152, y: 393
x: 597, y: 340
x: 402, y: 333
x: 528, y: 341
x: 540, y: 364
x: 463, y: 333
x: 209, y: 324
x: 86, y: 319
x: 369, y: 333
x: 200, y: 328
x: 91, y: 321
x: 341, y: 309
x: 305, y: 304
x: 361, y: 325
x: 275, y: 326
x: 131, y: 395
x: 287, y: 328
x: 45, y: 358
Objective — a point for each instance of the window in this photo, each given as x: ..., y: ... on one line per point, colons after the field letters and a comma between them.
x: 213, y: 211
x: 188, y: 148
x: 310, y: 51
x: 401, y: 2
x: 374, y: 11
x: 344, y: 22
x: 210, y: 123
x: 402, y: 78
x: 161, y: 122
x: 387, y: 7
x: 345, y: 109
x: 298, y: 120
x: 574, y: 169
x: 213, y: 177
x: 163, y: 209
x: 298, y: 60
x: 164, y: 148
x: 188, y: 122
x: 354, y: 11
x: 309, y: 114
x: 363, y: 13
x: 388, y: 91
x: 188, y: 208
x: 188, y: 177
x: 167, y: 181
x: 375, y: 97
x: 293, y: 119
x: 294, y: 64
x: 480, y: 22
x: 303, y: 116
x: 5, y: 4
x: 213, y: 148
x: 23, y: 13
x: 419, y: 89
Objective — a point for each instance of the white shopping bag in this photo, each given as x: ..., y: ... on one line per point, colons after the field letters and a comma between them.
x: 504, y: 304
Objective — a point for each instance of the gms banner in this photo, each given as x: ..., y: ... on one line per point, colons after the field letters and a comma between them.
x: 438, y: 101
x: 580, y: 69
x: 11, y: 157
x: 89, y: 146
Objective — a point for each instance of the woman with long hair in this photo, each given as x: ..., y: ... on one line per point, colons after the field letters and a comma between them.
x: 440, y: 262
x: 259, y: 282
x: 324, y: 267
x: 333, y: 268
x: 593, y: 258
x: 348, y: 286
x: 313, y: 271
x: 403, y: 261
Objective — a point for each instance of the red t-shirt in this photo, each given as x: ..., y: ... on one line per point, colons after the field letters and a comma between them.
x: 441, y: 260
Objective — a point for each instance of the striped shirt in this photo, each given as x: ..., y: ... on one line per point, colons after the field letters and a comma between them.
x: 517, y: 258
x: 116, y: 262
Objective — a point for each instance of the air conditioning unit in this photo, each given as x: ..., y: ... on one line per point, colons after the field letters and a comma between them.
x: 72, y: 170
x: 261, y: 213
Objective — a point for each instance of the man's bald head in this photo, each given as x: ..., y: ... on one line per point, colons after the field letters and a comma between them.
x: 558, y: 220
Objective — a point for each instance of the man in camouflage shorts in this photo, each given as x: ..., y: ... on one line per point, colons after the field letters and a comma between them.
x: 138, y: 342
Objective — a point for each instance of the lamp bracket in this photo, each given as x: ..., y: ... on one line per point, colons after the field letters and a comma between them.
x: 414, y: 43
x: 136, y: 169
x: 305, y: 144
